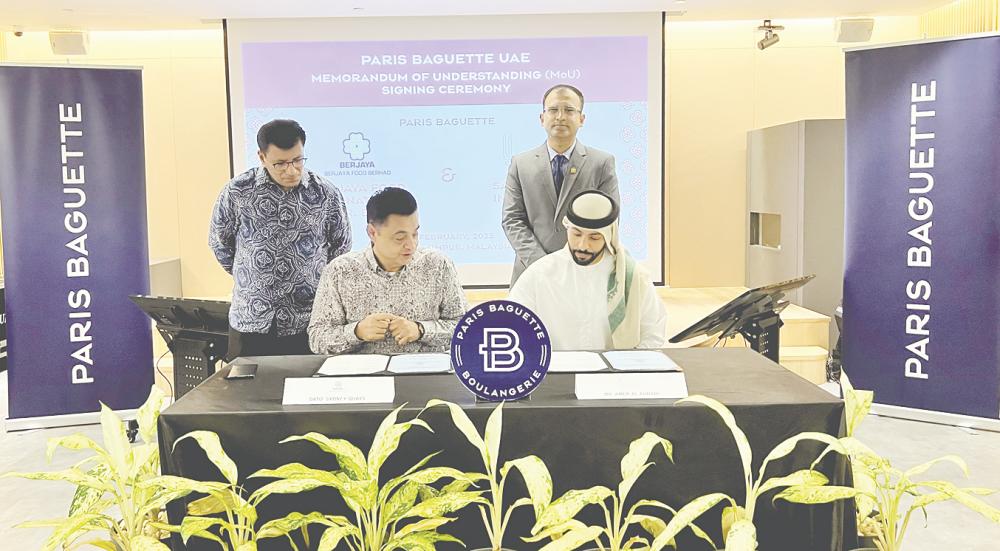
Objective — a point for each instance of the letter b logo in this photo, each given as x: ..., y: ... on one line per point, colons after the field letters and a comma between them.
x: 502, y: 353
x: 501, y: 350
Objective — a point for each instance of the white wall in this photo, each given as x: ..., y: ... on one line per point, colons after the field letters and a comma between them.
x: 719, y: 86
x: 187, y: 156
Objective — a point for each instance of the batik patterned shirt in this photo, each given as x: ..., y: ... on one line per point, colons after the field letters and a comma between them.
x: 354, y: 286
x: 275, y: 243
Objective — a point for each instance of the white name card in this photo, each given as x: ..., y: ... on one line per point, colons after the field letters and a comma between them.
x: 630, y: 386
x: 338, y: 390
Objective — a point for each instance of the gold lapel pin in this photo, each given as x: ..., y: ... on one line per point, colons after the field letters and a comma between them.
x: 572, y: 170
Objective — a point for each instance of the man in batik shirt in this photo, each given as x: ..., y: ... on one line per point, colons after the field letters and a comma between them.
x: 391, y: 297
x: 274, y: 228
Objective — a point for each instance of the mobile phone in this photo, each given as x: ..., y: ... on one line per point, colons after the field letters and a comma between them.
x: 242, y: 371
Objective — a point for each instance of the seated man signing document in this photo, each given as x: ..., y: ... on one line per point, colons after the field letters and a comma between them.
x: 591, y: 295
x: 392, y: 297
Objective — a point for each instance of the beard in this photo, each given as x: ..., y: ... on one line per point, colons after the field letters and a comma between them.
x: 588, y: 257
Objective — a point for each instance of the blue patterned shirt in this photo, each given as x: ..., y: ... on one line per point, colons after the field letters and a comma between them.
x: 275, y: 243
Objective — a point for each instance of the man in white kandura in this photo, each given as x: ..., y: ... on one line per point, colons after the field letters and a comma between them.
x: 591, y: 295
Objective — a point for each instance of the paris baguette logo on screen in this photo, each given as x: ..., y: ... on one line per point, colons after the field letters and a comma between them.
x: 500, y: 351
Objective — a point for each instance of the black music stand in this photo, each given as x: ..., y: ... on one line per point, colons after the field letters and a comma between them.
x: 196, y: 331
x: 754, y: 314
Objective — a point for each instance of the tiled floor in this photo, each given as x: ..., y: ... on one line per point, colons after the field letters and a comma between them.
x: 905, y: 443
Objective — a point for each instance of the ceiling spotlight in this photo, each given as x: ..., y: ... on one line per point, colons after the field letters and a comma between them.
x: 770, y: 36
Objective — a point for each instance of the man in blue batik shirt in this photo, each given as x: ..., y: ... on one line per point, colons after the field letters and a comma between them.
x: 274, y: 228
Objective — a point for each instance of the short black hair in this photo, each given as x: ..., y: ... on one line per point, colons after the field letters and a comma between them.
x: 282, y: 133
x: 569, y: 87
x: 390, y: 200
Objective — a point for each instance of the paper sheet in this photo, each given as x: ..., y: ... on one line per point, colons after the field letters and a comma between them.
x: 640, y: 360
x: 338, y: 390
x: 631, y: 386
x: 576, y: 362
x: 353, y: 364
x: 420, y: 363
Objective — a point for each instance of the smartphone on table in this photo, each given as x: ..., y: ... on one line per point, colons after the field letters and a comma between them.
x: 242, y: 371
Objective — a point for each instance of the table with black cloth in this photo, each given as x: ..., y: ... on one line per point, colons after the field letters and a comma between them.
x: 581, y: 442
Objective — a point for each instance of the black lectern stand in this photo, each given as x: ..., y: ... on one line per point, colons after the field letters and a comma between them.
x: 196, y: 331
x: 754, y: 314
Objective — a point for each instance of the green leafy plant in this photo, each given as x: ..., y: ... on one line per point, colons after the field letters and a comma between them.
x: 112, y: 501
x: 533, y: 471
x: 557, y: 519
x: 224, y: 515
x: 887, y: 497
x: 738, y: 529
x: 403, y: 513
x: 857, y: 405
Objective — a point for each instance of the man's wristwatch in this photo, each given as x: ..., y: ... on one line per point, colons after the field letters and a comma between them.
x: 420, y: 327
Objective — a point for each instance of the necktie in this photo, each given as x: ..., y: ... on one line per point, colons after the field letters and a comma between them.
x: 558, y: 174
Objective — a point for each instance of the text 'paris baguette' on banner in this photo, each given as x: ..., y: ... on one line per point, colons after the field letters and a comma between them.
x: 922, y: 219
x: 73, y: 194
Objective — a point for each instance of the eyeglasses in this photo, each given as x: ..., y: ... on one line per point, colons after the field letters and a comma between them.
x: 283, y: 166
x: 568, y: 111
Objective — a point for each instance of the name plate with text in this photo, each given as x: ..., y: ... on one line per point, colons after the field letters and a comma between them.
x: 339, y: 390
x: 630, y: 386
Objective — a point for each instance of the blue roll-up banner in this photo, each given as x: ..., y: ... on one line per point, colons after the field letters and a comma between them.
x: 922, y: 218
x: 73, y: 199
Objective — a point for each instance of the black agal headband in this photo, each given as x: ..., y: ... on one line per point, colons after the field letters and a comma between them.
x: 592, y: 210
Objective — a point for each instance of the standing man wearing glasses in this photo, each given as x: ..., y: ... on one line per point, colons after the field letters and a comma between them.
x: 274, y: 228
x: 540, y: 180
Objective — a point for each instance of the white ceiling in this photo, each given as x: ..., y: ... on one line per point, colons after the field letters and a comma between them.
x: 177, y: 14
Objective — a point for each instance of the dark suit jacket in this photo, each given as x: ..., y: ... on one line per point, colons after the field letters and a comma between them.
x: 532, y: 214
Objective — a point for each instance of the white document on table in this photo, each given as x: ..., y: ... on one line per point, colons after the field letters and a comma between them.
x: 420, y: 363
x: 640, y: 360
x: 353, y: 364
x: 576, y: 362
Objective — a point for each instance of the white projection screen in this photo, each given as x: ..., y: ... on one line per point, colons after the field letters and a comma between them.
x: 438, y: 105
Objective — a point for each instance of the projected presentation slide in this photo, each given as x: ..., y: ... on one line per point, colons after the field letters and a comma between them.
x: 442, y: 118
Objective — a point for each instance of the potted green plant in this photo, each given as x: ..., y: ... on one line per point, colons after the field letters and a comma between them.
x: 224, y: 515
x: 112, y: 503
x: 897, y: 496
x: 887, y: 497
x: 738, y: 529
x: 857, y: 404
x: 405, y: 512
x: 533, y: 471
x: 557, y: 519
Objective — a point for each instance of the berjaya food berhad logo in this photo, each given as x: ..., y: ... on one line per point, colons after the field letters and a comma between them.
x: 500, y: 351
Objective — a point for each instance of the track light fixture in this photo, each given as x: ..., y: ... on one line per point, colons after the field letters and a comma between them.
x: 770, y: 36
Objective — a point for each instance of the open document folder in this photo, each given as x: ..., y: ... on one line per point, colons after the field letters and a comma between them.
x: 576, y: 362
x: 420, y: 363
x: 640, y: 360
x: 618, y: 360
x: 353, y: 364
x: 367, y: 364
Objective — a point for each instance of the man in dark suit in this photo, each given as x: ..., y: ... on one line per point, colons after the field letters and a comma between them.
x: 541, y: 180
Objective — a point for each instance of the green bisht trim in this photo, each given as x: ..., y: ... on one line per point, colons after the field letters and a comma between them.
x: 617, y: 314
